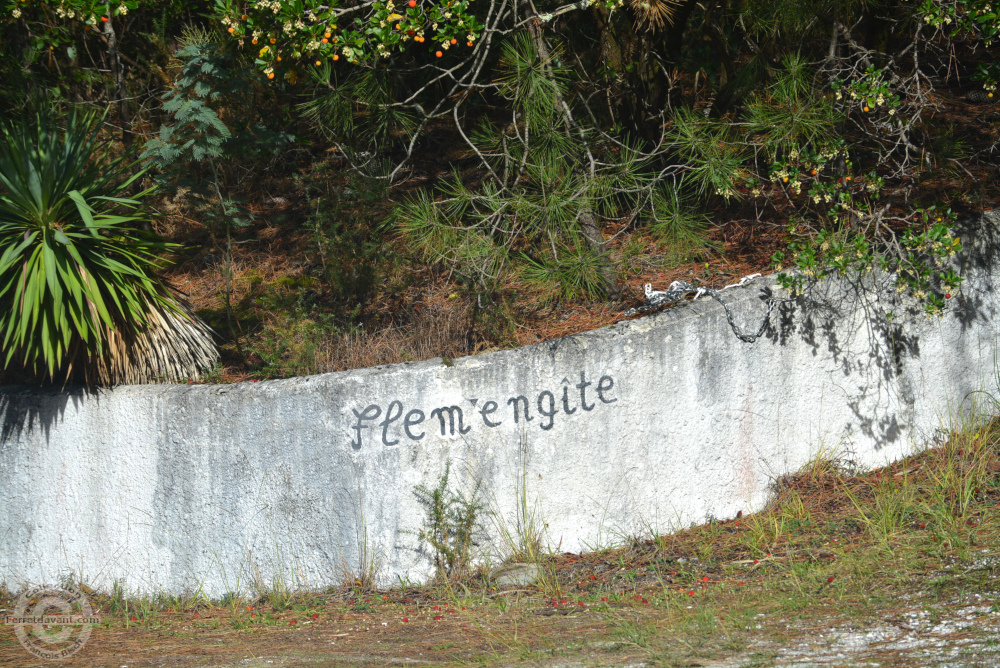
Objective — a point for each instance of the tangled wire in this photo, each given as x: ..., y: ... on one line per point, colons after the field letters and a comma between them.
x: 679, y: 289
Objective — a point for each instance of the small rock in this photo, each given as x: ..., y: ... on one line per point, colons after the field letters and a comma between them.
x: 515, y: 574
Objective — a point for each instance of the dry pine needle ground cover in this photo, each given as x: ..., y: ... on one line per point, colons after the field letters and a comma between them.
x: 896, y: 566
x: 293, y: 319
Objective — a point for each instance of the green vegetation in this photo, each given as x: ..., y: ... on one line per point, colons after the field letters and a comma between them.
x: 347, y: 183
x: 452, y: 526
x: 78, y: 289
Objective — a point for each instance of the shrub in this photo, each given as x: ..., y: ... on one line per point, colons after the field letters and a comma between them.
x: 79, y: 296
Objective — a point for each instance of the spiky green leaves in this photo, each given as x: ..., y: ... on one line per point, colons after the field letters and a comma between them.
x: 77, y: 277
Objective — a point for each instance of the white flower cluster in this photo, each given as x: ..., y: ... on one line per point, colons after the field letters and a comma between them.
x: 16, y: 12
x: 273, y: 5
x: 61, y: 12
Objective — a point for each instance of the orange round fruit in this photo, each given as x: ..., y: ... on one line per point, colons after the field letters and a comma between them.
x: 438, y: 54
x: 318, y: 63
x: 231, y: 30
x: 454, y: 41
x: 469, y: 43
x: 336, y: 57
x: 325, y: 40
x: 866, y: 109
x: 253, y: 41
x: 327, y: 35
x: 412, y: 3
x: 273, y: 40
x: 270, y: 75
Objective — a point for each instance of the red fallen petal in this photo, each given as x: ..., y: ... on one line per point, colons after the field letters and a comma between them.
x: 315, y: 616
x: 830, y: 579
x: 439, y: 617
x: 405, y: 619
x: 292, y: 623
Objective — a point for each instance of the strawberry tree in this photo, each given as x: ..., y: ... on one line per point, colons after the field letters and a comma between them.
x: 308, y: 31
x: 89, y: 13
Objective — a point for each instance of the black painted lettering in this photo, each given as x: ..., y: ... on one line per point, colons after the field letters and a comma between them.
x: 603, y: 387
x: 390, y: 418
x: 370, y: 413
x: 550, y: 413
x: 450, y: 410
x: 582, y: 386
x: 408, y: 422
x: 566, y: 408
x: 517, y: 402
x: 488, y: 409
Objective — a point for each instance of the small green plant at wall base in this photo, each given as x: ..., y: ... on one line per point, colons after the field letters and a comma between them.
x: 452, y: 526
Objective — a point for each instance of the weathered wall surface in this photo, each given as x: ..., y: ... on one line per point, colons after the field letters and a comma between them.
x: 649, y: 424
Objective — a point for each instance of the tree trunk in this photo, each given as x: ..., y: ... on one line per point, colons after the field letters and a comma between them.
x: 588, y: 221
x: 118, y: 73
x: 595, y: 240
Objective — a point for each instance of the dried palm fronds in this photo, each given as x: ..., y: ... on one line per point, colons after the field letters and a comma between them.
x: 175, y: 345
x: 654, y: 14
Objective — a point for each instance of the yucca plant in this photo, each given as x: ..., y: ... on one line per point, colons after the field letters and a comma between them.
x: 79, y: 293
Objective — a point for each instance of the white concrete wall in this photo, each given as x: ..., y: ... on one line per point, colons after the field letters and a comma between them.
x: 652, y: 424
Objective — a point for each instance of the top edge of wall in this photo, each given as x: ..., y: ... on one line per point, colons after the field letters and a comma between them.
x: 985, y: 229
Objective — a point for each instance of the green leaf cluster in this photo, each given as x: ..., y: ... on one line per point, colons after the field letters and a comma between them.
x: 78, y: 283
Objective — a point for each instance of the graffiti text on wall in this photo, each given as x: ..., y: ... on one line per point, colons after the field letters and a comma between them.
x: 395, y: 423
